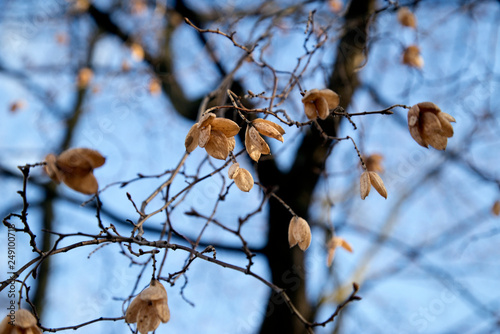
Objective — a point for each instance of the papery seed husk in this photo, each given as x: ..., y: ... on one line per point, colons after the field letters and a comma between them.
x: 446, y: 127
x: 268, y: 128
x: 226, y: 126
x: 231, y: 142
x: 428, y: 107
x: 155, y: 291
x: 243, y: 180
x: 93, y: 157
x: 73, y: 162
x: 322, y: 107
x: 311, y: 95
x: 300, y: 233
x: 331, y: 256
x: 310, y: 110
x: 373, y: 163
x: 344, y: 244
x: 133, y: 310
x: 411, y: 56
x: 364, y: 185
x: 86, y: 184
x: 217, y: 145
x: 495, y: 209
x: 275, y: 125
x: 258, y: 141
x: 25, y: 319
x: 233, y: 170
x: 436, y: 140
x: 378, y: 184
x: 162, y: 310
x: 331, y: 97
x: 51, y: 168
x: 447, y: 117
x: 204, y: 136
x: 413, y: 115
x: 415, y: 134
x: 147, y: 319
x: 206, y: 120
x: 429, y: 124
x: 192, y: 138
x: 252, y: 149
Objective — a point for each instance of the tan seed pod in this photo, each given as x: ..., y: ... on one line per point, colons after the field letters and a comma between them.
x: 204, y: 136
x: 86, y: 184
x: 299, y: 233
x: 231, y: 142
x: 51, y: 168
x: 310, y: 110
x: 495, y: 209
x: 378, y: 184
x: 269, y: 129
x: 217, y: 145
x: 364, y: 185
x: 243, y: 180
x: 252, y: 149
x: 322, y: 107
x: 428, y: 125
x: 406, y: 17
x: 331, y: 97
x: 255, y: 144
x: 226, y: 126
x: 24, y: 322
x: 206, y: 120
x: 233, y: 170
x: 373, y: 163
x: 192, y: 138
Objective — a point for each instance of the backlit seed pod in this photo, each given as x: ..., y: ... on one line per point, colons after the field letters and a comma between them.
x: 233, y: 170
x: 192, y: 138
x: 364, y: 185
x: 269, y: 129
x: 255, y: 144
x: 299, y: 233
x: 369, y: 179
x: 412, y: 57
x: 332, y: 245
x: 217, y: 145
x: 318, y: 103
x: 378, y: 184
x: 243, y: 180
x: 149, y: 308
x: 407, y: 18
x: 74, y: 167
x: 23, y: 322
x: 226, y: 126
x: 428, y: 125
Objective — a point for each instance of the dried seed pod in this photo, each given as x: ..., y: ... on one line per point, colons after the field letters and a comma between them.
x: 255, y: 144
x: 75, y: 168
x: 412, y: 57
x: 226, y: 126
x: 243, y: 180
x: 206, y: 120
x: 318, y: 103
x: 149, y: 308
x: 332, y: 245
x: 364, y: 185
x: 192, y: 138
x: 217, y: 145
x: 269, y: 129
x: 373, y: 163
x: 233, y: 170
x: 299, y: 233
x: 204, y: 137
x: 428, y: 125
x: 407, y: 18
x: 378, y: 184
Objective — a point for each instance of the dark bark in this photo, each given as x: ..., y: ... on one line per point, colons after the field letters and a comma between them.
x: 297, y: 186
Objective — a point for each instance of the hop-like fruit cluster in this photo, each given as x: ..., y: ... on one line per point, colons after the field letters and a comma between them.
x: 429, y: 125
x: 215, y: 135
x: 318, y: 103
x: 149, y: 308
x: 75, y: 168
